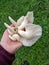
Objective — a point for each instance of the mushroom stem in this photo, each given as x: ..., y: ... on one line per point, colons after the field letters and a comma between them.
x: 12, y: 21
x: 23, y: 24
x: 15, y: 37
x: 10, y: 33
x: 9, y: 28
x: 20, y: 20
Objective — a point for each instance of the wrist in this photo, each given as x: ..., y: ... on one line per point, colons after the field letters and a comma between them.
x: 6, y: 47
x: 6, y: 57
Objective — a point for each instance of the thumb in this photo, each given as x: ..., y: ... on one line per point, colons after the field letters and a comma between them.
x: 18, y: 45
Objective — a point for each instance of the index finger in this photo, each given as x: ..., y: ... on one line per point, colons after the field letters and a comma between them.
x: 12, y: 25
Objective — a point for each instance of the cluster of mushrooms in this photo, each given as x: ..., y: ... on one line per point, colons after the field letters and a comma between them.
x: 24, y: 30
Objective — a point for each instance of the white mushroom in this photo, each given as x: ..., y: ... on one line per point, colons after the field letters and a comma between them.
x: 31, y: 35
x: 12, y: 21
x: 32, y: 30
x: 25, y: 31
x: 30, y: 42
x: 30, y: 17
x: 14, y: 37
x: 27, y: 19
x: 22, y: 25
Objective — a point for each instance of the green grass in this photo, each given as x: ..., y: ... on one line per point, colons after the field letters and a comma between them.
x: 38, y: 54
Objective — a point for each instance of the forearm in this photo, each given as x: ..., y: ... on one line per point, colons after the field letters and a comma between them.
x: 5, y: 57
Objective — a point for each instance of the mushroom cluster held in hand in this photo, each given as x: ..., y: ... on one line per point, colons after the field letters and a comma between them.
x: 24, y: 30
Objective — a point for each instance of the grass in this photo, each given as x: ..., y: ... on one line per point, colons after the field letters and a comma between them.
x: 38, y: 54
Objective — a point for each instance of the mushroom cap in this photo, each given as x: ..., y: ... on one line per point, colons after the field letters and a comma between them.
x: 31, y: 30
x: 30, y: 17
x: 34, y: 32
x: 30, y: 42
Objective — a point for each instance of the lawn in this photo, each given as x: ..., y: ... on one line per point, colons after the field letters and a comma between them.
x: 38, y: 54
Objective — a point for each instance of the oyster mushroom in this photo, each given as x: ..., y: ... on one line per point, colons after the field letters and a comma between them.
x: 24, y: 31
x: 27, y: 19
x: 31, y: 35
x: 14, y: 37
x: 30, y: 17
x: 31, y: 31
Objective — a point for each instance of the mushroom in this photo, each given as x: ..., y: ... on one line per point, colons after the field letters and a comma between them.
x: 10, y: 28
x: 19, y: 21
x: 31, y: 31
x: 27, y: 19
x: 30, y: 17
x: 14, y: 37
x: 24, y: 31
x: 31, y: 35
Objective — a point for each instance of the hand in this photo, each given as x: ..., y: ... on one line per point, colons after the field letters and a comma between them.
x: 8, y: 44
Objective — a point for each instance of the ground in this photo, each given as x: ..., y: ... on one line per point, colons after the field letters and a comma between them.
x: 38, y: 54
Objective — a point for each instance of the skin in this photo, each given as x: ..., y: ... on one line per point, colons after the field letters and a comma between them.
x: 8, y: 44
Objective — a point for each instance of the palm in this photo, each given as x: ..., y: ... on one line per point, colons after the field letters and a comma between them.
x: 11, y: 45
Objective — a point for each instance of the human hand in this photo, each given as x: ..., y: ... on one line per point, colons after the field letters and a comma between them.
x: 8, y: 44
